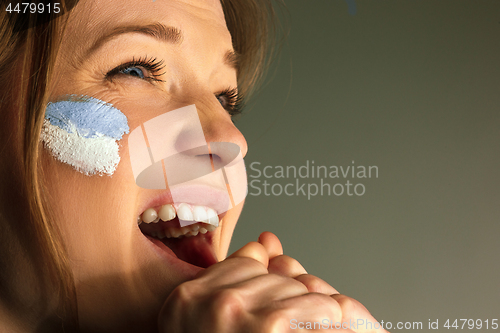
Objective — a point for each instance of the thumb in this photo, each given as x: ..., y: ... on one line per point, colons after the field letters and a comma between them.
x: 253, y: 250
x: 272, y: 244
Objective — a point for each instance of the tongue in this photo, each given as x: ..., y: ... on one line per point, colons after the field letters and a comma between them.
x: 196, y: 250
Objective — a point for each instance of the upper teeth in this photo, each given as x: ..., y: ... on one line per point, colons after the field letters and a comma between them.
x: 188, y: 214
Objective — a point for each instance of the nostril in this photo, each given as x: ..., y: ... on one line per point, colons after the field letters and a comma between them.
x: 216, y: 161
x: 225, y: 153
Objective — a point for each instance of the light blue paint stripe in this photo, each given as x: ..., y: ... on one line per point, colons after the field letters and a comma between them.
x: 91, y: 117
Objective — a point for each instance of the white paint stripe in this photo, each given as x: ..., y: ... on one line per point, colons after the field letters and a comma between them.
x: 87, y: 155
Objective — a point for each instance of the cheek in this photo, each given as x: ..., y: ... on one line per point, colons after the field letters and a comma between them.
x: 95, y: 216
x: 83, y: 132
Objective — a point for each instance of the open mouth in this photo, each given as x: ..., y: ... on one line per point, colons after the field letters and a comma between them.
x: 182, y: 230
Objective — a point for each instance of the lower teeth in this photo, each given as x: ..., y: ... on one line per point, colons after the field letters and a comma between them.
x: 189, y: 231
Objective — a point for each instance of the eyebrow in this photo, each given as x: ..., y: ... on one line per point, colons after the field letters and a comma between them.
x: 157, y: 30
x: 232, y: 59
x: 161, y: 32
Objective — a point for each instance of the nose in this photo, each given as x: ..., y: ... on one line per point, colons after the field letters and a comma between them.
x: 175, y: 147
x: 218, y: 126
x: 227, y: 147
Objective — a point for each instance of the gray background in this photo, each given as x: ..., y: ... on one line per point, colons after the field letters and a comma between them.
x: 413, y: 87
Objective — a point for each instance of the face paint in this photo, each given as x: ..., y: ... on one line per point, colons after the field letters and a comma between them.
x: 83, y: 132
x: 180, y: 157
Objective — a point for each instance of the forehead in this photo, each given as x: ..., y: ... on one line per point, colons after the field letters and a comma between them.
x: 201, y: 20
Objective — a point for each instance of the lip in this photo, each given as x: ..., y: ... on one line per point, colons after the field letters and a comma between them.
x: 202, y: 244
x: 167, y: 256
x: 199, y: 250
x: 194, y: 194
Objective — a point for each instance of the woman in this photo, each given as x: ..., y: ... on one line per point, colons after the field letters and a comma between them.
x: 77, y: 254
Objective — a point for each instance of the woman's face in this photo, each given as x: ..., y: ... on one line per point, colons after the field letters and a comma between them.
x: 122, y: 275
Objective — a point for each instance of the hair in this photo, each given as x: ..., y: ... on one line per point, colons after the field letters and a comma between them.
x: 252, y: 24
x: 28, y: 48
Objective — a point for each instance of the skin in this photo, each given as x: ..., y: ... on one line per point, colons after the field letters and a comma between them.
x: 122, y: 284
x: 93, y: 218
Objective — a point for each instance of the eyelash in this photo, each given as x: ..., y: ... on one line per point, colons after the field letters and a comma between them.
x: 152, y: 65
x: 234, y: 101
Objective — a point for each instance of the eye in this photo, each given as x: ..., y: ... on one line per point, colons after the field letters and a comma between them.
x: 223, y: 100
x: 144, y: 68
x: 230, y: 100
x: 133, y: 71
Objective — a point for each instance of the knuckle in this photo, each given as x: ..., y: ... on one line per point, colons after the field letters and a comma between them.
x: 253, y: 264
x: 280, y: 279
x: 228, y: 303
x: 348, y: 304
x: 312, y: 283
x: 330, y: 306
x: 184, y: 293
x: 275, y: 321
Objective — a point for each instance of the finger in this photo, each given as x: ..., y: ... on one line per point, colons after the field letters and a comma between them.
x: 286, y: 266
x: 246, y: 263
x: 253, y: 250
x: 268, y: 288
x: 355, y: 312
x: 311, y: 307
x: 272, y: 244
x: 228, y: 272
x: 316, y: 285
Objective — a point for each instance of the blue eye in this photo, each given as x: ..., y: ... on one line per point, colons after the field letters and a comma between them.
x: 133, y: 71
x: 148, y: 69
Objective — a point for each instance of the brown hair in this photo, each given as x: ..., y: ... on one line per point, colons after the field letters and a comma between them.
x: 252, y: 24
x: 28, y: 45
x: 28, y: 48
